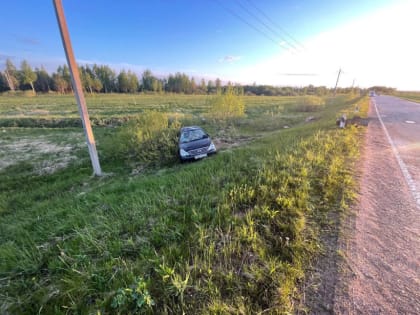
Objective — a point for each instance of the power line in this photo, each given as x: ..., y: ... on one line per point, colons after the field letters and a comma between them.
x: 266, y: 26
x: 232, y: 12
x: 277, y: 25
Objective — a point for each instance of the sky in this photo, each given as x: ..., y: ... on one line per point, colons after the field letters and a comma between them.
x: 273, y: 42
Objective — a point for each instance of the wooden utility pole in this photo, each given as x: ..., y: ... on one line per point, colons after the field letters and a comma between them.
x: 77, y: 86
x: 336, y: 83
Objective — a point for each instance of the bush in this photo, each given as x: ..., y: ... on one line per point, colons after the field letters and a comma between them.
x: 150, y: 138
x: 227, y: 105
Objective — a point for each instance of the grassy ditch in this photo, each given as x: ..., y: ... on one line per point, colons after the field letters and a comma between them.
x: 232, y: 234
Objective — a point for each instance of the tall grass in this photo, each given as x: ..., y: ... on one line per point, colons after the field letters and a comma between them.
x: 231, y: 234
x: 149, y: 138
x: 411, y: 96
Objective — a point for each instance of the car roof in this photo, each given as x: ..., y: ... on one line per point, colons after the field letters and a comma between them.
x: 189, y: 128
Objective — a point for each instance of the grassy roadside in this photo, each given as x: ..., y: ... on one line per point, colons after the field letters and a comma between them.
x: 229, y: 235
x: 325, y: 279
x: 411, y: 96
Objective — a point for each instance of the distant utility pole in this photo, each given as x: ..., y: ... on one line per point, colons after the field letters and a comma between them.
x: 77, y: 87
x: 336, y: 83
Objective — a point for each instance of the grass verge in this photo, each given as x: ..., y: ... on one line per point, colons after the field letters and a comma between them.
x: 232, y: 234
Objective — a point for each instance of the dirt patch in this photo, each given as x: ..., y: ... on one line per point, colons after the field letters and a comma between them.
x: 228, y: 143
x: 45, y: 155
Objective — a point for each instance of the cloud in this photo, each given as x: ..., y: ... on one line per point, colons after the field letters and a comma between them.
x: 229, y: 59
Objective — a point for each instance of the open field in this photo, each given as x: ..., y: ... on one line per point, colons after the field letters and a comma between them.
x: 411, y: 96
x: 231, y: 234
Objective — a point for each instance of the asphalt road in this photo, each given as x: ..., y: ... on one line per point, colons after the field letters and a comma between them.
x: 401, y: 119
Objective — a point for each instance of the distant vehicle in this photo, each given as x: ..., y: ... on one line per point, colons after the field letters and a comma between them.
x: 194, y: 144
x: 372, y: 93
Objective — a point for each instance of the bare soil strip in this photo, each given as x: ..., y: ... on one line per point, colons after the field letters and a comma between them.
x: 383, y: 254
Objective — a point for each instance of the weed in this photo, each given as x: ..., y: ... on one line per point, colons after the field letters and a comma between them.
x: 134, y: 298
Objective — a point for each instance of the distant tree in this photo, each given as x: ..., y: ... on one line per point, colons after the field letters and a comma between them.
x: 59, y: 84
x: 180, y: 83
x: 123, y: 84
x: 3, y: 83
x: 193, y: 86
x: 383, y: 90
x: 43, y: 80
x: 107, y: 77
x: 63, y: 83
x: 210, y: 87
x: 321, y: 91
x: 97, y: 85
x: 86, y: 77
x: 133, y: 82
x: 157, y: 85
x: 203, y: 87
x: 28, y: 75
x: 239, y: 89
x: 218, y: 85
x: 11, y: 75
x: 147, y: 80
x: 150, y: 82
x: 93, y: 84
x: 286, y: 91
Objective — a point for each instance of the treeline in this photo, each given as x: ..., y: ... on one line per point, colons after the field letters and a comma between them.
x: 99, y: 79
x: 383, y: 90
x: 103, y: 79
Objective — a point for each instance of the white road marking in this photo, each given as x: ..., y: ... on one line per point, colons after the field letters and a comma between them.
x: 410, y: 122
x: 410, y: 182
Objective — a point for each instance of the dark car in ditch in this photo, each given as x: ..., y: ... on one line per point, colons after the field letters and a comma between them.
x: 194, y: 144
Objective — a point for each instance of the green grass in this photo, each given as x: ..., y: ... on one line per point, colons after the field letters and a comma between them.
x: 231, y: 234
x: 411, y: 96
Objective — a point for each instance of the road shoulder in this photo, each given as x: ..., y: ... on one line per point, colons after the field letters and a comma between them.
x: 381, y: 270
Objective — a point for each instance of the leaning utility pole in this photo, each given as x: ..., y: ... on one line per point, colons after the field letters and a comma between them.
x: 77, y: 86
x: 336, y: 83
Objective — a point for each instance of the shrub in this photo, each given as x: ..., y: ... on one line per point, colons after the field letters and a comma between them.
x: 227, y: 105
x: 150, y: 138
